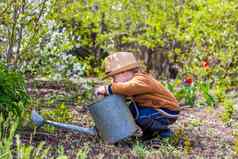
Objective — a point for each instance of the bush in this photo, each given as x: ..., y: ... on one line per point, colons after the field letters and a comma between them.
x: 13, y: 95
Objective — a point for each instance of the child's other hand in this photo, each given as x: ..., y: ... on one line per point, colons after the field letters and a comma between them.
x: 101, y: 90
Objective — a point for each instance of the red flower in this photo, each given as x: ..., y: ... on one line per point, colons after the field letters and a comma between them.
x: 188, y: 80
x: 205, y: 64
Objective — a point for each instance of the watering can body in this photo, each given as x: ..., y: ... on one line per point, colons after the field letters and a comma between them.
x: 113, y: 119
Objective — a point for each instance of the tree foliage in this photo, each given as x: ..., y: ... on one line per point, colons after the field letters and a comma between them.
x: 165, y: 33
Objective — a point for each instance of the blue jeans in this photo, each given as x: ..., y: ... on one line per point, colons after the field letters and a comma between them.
x: 149, y: 119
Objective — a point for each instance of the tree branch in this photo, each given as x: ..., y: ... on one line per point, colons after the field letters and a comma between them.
x: 12, y: 37
x: 1, y: 14
x: 20, y: 32
x: 36, y: 22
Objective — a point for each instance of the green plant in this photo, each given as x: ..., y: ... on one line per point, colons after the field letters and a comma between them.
x: 30, y: 152
x: 235, y: 146
x: 196, y: 122
x: 183, y: 91
x: 188, y: 94
x: 165, y: 150
x: 228, y: 109
x: 61, y: 153
x: 220, y: 93
x: 140, y: 150
x: 7, y: 131
x: 178, y: 135
x: 205, y: 88
x: 220, y: 88
x: 91, y: 66
x: 187, y: 145
x: 10, y: 149
x: 13, y: 94
x: 59, y: 114
x: 82, y: 153
x: 87, y: 93
x: 173, y: 85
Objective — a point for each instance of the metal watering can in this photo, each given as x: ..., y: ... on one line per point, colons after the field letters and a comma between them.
x: 112, y: 117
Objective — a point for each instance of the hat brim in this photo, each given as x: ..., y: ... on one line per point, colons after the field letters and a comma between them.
x: 127, y: 68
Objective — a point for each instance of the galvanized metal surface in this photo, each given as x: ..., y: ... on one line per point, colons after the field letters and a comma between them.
x: 89, y: 131
x: 113, y: 118
x: 39, y: 121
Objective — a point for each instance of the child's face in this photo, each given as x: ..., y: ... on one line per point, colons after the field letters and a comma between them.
x: 123, y: 76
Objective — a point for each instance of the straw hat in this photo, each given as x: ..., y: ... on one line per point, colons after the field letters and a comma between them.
x: 119, y: 62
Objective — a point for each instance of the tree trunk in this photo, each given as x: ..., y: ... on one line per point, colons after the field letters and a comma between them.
x: 12, y: 37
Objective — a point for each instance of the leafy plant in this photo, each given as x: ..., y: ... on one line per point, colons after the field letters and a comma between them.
x: 220, y: 88
x: 192, y: 93
x: 235, y: 146
x: 30, y: 152
x: 187, y: 145
x: 59, y: 114
x: 82, y: 153
x: 7, y: 131
x: 11, y: 146
x: 87, y: 94
x: 165, y: 150
x: 92, y: 66
x: 13, y: 94
x: 204, y: 88
x: 228, y: 110
x: 183, y: 91
x: 61, y: 152
x: 188, y: 94
x: 140, y: 151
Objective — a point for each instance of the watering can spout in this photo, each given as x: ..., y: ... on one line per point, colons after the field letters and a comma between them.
x: 89, y: 131
x: 39, y: 121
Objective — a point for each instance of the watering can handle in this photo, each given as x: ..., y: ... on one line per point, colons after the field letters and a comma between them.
x: 162, y: 112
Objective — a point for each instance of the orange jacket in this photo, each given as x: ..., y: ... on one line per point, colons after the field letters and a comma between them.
x: 146, y: 91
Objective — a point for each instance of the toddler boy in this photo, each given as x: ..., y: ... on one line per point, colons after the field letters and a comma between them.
x: 153, y: 106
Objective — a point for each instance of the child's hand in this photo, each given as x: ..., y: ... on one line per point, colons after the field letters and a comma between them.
x: 101, y: 90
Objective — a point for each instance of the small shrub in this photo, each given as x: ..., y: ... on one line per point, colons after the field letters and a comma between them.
x: 13, y: 94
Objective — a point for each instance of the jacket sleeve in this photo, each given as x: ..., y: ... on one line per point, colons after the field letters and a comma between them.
x: 133, y: 87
